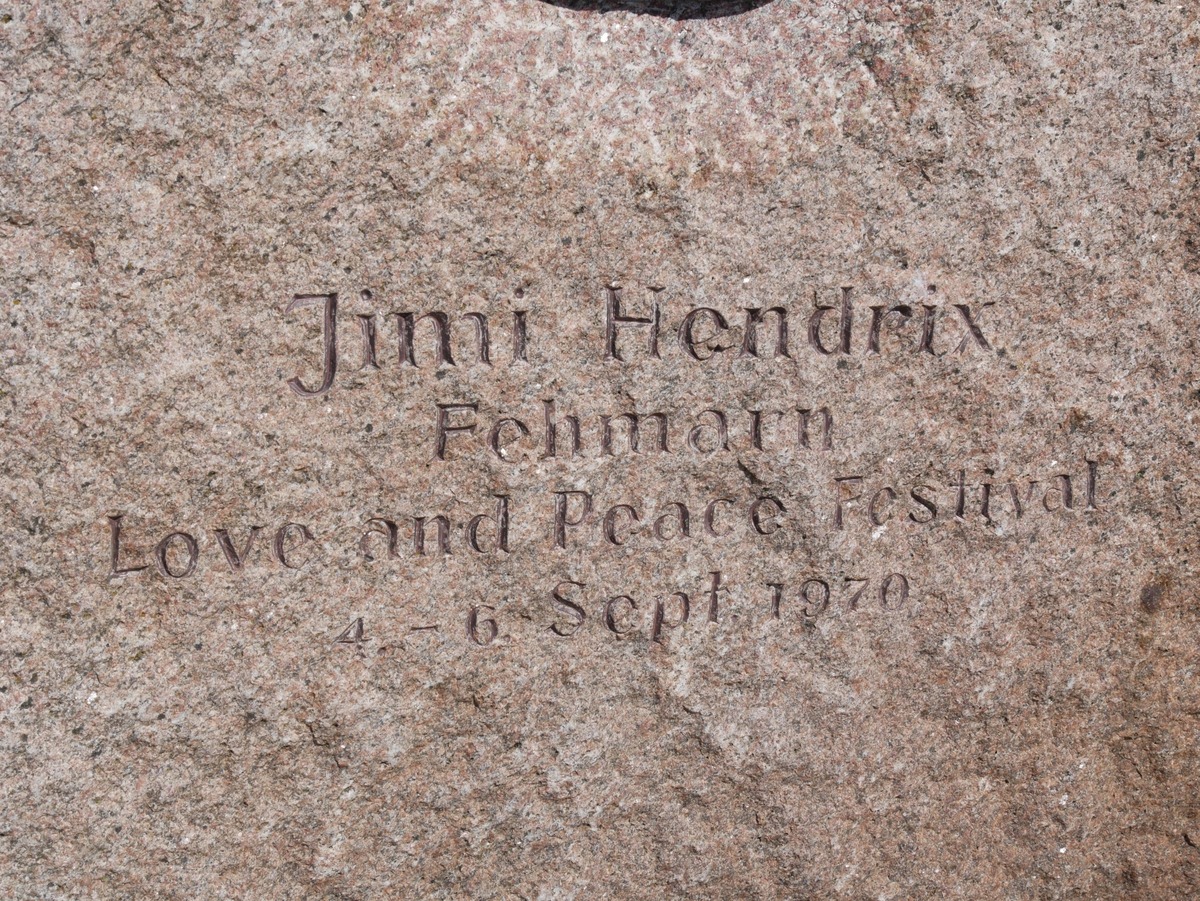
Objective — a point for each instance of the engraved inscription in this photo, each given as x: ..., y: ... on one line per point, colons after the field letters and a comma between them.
x: 628, y: 433
x: 836, y: 327
x: 442, y: 335
x: 831, y: 329
x: 574, y: 511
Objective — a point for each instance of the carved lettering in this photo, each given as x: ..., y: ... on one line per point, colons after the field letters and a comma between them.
x: 816, y: 594
x: 576, y: 611
x: 520, y: 335
x: 675, y: 513
x: 1065, y: 499
x: 235, y: 558
x: 691, y: 344
x: 927, y: 323
x: 627, y: 433
x: 499, y: 523
x: 114, y: 530
x: 279, y: 548
x: 873, y: 511
x: 366, y: 324
x: 883, y: 503
x: 482, y: 343
x: 714, y: 592
x: 710, y: 516
x: 754, y: 316
x: 660, y: 621
x: 826, y: 428
x: 902, y: 312
x: 615, y: 319
x: 162, y: 552
x: 610, y: 522
x: 721, y: 425
x: 376, y: 526
x: 845, y: 326
x: 499, y: 448
x: 407, y: 323
x: 960, y: 505
x: 445, y: 429
x: 610, y: 613
x: 633, y: 431
x: 770, y: 527
x: 562, y: 518
x: 972, y: 329
x: 925, y: 503
x: 845, y: 483
x: 481, y: 631
x: 551, y: 427
x: 442, y: 524
x: 328, y: 303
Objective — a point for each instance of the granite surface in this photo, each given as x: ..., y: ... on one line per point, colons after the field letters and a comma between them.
x: 898, y: 602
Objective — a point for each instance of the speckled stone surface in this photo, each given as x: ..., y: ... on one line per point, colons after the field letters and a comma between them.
x: 940, y: 567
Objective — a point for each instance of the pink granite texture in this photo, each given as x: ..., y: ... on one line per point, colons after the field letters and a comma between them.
x: 996, y: 700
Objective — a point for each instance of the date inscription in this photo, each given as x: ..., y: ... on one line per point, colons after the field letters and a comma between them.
x: 573, y: 609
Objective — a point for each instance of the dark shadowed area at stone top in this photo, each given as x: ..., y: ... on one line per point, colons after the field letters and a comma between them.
x: 679, y: 9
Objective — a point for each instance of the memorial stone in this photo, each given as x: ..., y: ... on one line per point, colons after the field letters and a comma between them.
x: 600, y: 450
